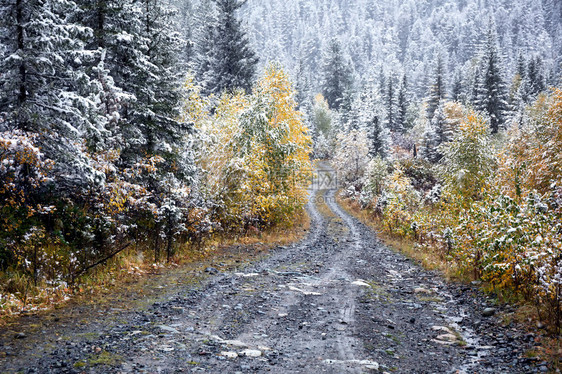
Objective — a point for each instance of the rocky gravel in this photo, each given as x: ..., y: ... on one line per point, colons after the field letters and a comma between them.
x: 337, y: 302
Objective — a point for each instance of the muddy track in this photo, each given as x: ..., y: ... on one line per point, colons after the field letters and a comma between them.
x: 337, y: 302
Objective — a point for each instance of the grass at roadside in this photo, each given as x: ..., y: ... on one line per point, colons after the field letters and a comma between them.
x: 130, y: 271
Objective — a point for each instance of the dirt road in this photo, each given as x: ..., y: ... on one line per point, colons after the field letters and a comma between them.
x: 337, y: 302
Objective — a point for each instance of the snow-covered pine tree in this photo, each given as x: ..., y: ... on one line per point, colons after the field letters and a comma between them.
x: 534, y: 82
x: 337, y: 78
x: 44, y: 87
x: 139, y: 70
x: 303, y: 85
x: 353, y: 119
x: 233, y: 63
x: 390, y: 103
x: 457, y: 93
x: 430, y: 142
x: 382, y: 79
x: 491, y: 90
x: 370, y: 120
x: 402, y: 106
x: 521, y: 67
x: 437, y: 90
x: 121, y: 62
x: 161, y: 92
x: 204, y: 39
x: 185, y: 18
x: 346, y: 111
x: 141, y: 50
x: 156, y: 114
x: 379, y: 138
x: 441, y: 126
x: 438, y: 132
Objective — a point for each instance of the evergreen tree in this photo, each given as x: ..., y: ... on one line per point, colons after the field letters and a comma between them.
x: 204, y: 40
x: 233, y: 63
x: 44, y: 86
x: 437, y: 89
x: 390, y: 105
x: 140, y: 75
x: 441, y: 125
x: 368, y: 110
x: 336, y: 75
x: 303, y: 85
x: 474, y: 83
x: 160, y: 92
x: 534, y: 82
x: 141, y: 60
x: 382, y: 79
x: 379, y: 138
x: 437, y: 133
x: 185, y: 17
x: 402, y: 106
x: 521, y: 68
x: 346, y: 110
x: 491, y: 91
x: 429, y: 144
x: 122, y: 66
x: 457, y: 89
x: 354, y: 119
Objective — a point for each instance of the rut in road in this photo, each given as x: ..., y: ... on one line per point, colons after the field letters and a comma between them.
x: 337, y: 302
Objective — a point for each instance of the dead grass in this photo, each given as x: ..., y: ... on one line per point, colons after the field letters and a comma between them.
x: 550, y: 350
x: 127, y: 271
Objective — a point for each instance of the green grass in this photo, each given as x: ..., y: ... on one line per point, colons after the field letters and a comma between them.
x: 105, y: 358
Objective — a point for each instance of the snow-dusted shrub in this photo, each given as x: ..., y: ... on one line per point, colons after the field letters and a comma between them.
x: 254, y: 156
x: 376, y: 176
x: 468, y: 160
x: 351, y: 156
x: 434, y: 195
x: 513, y: 244
x: 402, y: 201
x: 23, y: 172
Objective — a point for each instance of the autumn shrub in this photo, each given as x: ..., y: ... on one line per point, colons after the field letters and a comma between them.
x: 421, y: 173
x: 468, y: 160
x: 54, y: 233
x: 492, y: 207
x: 401, y: 201
x: 23, y: 172
x: 253, y: 153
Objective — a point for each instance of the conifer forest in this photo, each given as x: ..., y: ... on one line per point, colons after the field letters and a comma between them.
x: 296, y: 186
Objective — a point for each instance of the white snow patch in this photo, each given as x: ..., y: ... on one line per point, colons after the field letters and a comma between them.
x: 360, y: 283
x: 247, y: 275
x: 229, y: 354
x: 251, y: 353
x: 306, y: 293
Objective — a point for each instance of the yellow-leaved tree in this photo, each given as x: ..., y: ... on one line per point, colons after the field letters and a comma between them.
x: 276, y: 146
x: 253, y: 153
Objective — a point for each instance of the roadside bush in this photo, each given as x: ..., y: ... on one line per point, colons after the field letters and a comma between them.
x: 491, y: 208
